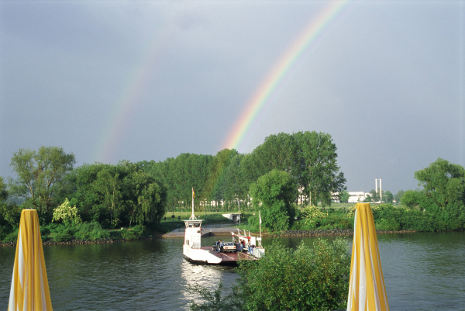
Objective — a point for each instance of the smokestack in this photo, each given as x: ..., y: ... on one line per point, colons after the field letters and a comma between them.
x: 380, y: 189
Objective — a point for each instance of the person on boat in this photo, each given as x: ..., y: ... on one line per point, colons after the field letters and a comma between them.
x: 238, y: 247
x: 217, y: 246
x: 221, y: 246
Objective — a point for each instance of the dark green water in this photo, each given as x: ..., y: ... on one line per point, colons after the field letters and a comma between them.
x: 422, y: 272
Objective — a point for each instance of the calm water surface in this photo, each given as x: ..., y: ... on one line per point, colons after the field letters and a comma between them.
x: 422, y: 271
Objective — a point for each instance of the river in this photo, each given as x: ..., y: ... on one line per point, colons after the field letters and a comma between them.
x: 422, y: 271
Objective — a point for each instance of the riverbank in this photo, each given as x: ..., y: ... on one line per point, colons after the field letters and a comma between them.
x: 218, y: 231
x: 81, y: 242
x: 226, y: 231
x: 93, y: 233
x: 330, y: 232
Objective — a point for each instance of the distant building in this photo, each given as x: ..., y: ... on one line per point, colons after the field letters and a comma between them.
x: 357, y: 196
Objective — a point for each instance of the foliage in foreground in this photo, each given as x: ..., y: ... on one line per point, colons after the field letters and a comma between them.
x: 308, y: 278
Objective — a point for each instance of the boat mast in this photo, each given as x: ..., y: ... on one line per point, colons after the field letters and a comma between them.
x: 193, y: 196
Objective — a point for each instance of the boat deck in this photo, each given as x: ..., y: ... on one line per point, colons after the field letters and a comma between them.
x: 230, y: 258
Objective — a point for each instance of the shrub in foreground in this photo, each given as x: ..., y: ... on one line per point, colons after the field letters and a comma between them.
x: 308, y: 278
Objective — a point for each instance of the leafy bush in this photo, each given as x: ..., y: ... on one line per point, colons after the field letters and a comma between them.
x: 46, y: 229
x: 61, y: 233
x: 387, y: 217
x: 313, y: 217
x: 87, y: 231
x: 337, y: 221
x: 133, y: 233
x: 411, y: 198
x: 9, y: 216
x: 66, y: 213
x: 308, y: 278
x: 11, y: 237
x: 90, y: 231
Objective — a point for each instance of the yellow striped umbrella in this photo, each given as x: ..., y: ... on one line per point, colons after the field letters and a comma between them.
x: 29, y: 284
x: 366, y: 289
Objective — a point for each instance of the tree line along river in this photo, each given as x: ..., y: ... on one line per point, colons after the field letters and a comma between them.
x: 422, y: 271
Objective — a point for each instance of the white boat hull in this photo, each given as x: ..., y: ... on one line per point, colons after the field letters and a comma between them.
x: 200, y: 255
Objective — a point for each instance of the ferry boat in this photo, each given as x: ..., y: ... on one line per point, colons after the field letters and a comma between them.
x: 241, y: 246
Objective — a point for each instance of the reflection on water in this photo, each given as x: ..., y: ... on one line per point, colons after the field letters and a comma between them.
x: 422, y: 272
x: 206, y: 276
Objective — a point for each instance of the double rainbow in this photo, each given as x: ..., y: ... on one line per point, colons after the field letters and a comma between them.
x: 123, y: 110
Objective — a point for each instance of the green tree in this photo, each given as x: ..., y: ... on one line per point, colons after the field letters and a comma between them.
x: 388, y: 197
x: 443, y: 183
x: 3, y: 191
x: 108, y: 187
x: 373, y: 197
x: 145, y: 198
x: 232, y: 184
x: 9, y: 212
x: 280, y: 152
x: 215, y: 184
x: 308, y: 157
x: 117, y: 195
x: 344, y: 197
x: 38, y: 174
x: 399, y: 195
x: 320, y: 175
x: 83, y: 192
x: 273, y: 194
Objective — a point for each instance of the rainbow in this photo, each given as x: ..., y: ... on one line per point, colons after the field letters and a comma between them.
x: 256, y: 102
x: 120, y: 115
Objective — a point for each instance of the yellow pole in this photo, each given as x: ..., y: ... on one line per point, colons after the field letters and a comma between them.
x: 29, y: 284
x: 366, y: 289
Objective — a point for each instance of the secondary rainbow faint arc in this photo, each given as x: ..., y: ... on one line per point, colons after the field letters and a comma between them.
x: 121, y: 114
x: 256, y: 102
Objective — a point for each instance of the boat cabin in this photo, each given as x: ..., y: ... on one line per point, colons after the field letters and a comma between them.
x: 193, y: 233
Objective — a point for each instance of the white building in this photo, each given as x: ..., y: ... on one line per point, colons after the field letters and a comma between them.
x: 357, y: 196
